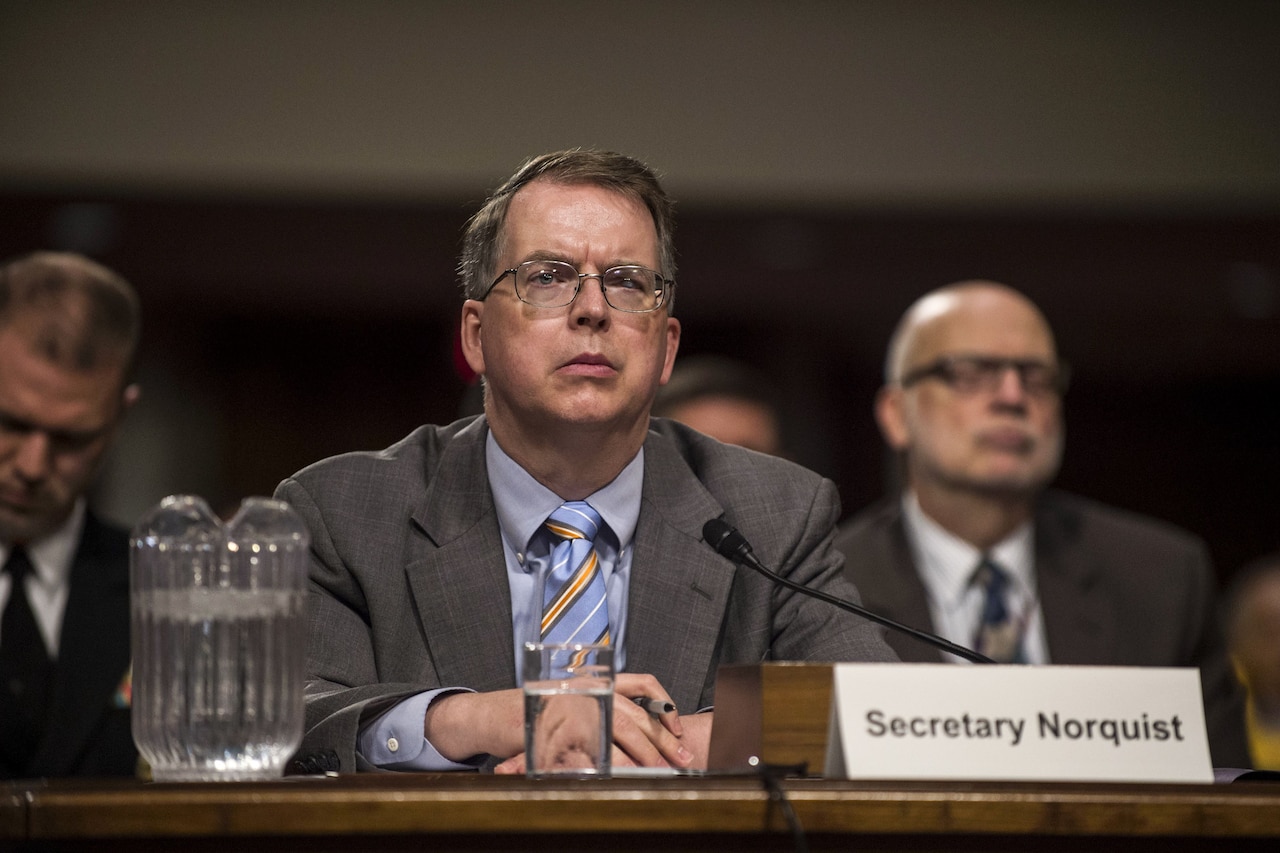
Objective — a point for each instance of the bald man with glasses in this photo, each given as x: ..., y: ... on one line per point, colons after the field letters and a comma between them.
x: 977, y: 549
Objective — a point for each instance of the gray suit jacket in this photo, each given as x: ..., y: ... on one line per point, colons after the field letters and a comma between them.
x: 1115, y: 589
x: 409, y: 588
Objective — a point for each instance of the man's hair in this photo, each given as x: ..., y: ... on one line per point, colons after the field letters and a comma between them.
x: 700, y: 376
x: 85, y: 314
x: 482, y: 239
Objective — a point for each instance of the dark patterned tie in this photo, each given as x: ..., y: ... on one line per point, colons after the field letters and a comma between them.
x: 573, y: 596
x: 25, y: 669
x: 999, y: 635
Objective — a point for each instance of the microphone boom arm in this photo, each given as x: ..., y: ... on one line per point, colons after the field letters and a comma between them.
x: 732, y: 545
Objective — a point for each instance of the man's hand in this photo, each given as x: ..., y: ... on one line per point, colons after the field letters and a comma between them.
x: 642, y: 739
x: 568, y: 733
x: 463, y: 725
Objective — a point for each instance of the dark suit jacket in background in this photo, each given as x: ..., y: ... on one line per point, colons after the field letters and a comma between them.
x: 1115, y: 588
x: 88, y: 732
x: 409, y: 583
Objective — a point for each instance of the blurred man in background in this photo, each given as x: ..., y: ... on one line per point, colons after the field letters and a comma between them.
x: 978, y: 550
x: 725, y: 399
x: 68, y: 333
x: 1252, y: 607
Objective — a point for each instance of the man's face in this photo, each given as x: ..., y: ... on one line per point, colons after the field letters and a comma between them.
x: 1004, y: 440
x: 1254, y: 642
x: 585, y: 364
x: 55, y: 426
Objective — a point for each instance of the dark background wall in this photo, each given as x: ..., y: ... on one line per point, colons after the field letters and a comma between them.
x: 285, y: 184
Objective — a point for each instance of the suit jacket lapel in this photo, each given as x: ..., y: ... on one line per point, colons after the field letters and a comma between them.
x: 93, y: 653
x: 679, y: 587
x: 900, y: 594
x: 1078, y: 625
x: 459, y: 562
x: 678, y: 592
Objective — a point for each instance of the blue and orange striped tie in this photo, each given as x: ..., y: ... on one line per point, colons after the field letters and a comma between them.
x: 573, y: 599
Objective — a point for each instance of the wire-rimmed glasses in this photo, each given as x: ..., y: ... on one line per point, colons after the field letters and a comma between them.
x: 554, y: 284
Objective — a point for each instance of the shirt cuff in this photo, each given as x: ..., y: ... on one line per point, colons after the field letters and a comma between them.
x: 394, y: 740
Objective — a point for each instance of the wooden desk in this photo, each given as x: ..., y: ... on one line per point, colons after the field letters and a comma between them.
x: 394, y: 812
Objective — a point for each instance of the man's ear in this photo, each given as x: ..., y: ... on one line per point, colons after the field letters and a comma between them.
x: 889, y: 404
x: 132, y: 393
x: 472, y: 312
x: 673, y: 345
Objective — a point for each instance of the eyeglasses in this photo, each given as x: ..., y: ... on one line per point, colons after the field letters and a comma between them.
x: 969, y: 374
x: 554, y: 284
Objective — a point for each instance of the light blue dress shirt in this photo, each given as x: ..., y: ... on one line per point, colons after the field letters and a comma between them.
x: 394, y: 739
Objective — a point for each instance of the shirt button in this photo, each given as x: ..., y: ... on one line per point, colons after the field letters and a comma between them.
x: 393, y: 744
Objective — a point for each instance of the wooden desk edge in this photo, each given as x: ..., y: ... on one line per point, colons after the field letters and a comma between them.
x: 430, y: 805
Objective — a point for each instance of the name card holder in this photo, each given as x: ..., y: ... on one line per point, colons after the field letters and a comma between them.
x: 951, y: 722
x: 1046, y: 723
x: 772, y: 714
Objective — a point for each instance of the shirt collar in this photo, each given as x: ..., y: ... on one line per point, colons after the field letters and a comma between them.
x: 947, y: 562
x: 52, y: 556
x: 523, y: 504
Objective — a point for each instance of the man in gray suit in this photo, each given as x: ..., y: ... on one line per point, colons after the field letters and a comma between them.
x: 976, y: 548
x: 429, y: 555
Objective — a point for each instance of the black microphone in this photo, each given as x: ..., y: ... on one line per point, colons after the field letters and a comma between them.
x: 732, y: 545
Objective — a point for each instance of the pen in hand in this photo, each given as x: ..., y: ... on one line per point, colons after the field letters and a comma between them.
x: 656, y: 707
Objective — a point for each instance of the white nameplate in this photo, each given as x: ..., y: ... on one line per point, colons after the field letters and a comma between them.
x: 1047, y: 723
